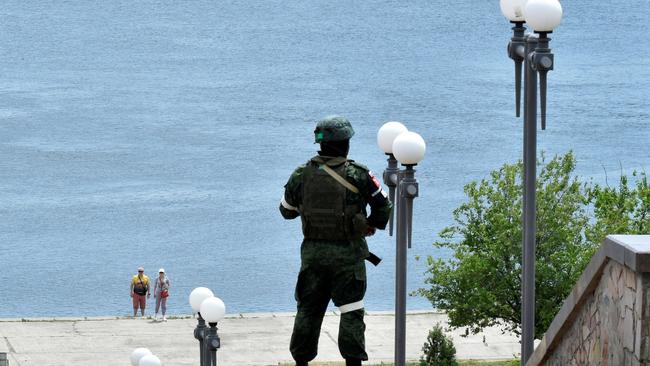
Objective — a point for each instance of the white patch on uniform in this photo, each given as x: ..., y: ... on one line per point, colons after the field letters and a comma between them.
x: 351, y: 307
x: 286, y: 205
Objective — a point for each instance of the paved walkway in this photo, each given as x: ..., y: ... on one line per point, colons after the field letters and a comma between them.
x: 247, y: 339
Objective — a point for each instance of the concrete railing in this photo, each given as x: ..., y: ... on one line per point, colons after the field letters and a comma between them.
x: 606, y: 318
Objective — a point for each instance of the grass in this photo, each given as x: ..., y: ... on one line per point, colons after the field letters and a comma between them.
x: 489, y: 363
x: 460, y: 363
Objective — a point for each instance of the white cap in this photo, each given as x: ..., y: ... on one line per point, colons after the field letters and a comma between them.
x: 162, y: 270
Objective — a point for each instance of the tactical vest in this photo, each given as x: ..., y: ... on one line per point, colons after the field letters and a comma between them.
x: 324, y: 211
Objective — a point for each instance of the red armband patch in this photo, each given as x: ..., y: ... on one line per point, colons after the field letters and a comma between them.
x: 374, y: 179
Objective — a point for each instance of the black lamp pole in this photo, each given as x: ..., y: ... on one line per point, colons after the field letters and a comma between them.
x: 533, y: 51
x: 199, y: 334
x: 403, y: 188
x: 213, y: 342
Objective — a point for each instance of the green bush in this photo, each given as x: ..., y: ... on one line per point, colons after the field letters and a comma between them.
x: 438, y: 350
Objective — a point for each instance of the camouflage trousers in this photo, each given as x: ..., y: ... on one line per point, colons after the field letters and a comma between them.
x: 317, y: 285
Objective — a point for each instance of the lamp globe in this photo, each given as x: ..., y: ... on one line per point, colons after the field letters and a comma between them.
x: 387, y: 134
x: 213, y: 309
x: 543, y: 15
x: 137, y: 354
x: 198, y: 295
x: 409, y: 148
x: 513, y: 9
x: 150, y: 360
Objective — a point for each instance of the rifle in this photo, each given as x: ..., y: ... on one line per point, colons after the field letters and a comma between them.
x: 372, y: 258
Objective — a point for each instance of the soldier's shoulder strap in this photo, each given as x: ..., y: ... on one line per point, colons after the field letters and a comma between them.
x: 298, y: 171
x: 359, y: 172
x: 359, y: 165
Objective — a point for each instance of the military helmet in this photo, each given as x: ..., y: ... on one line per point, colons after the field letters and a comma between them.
x: 334, y: 128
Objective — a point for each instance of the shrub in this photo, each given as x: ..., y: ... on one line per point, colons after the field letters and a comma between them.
x: 438, y: 350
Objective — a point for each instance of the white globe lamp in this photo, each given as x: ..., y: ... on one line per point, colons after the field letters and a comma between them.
x: 387, y: 134
x: 409, y: 148
x: 150, y: 360
x: 198, y: 295
x: 137, y: 354
x: 543, y: 15
x: 213, y: 309
x: 513, y: 9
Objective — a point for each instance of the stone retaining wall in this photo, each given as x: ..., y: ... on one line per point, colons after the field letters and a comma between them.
x: 606, y: 330
x: 606, y: 319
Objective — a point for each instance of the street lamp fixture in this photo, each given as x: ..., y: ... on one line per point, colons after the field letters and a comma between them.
x: 150, y: 360
x: 137, y: 354
x: 543, y: 15
x: 531, y: 50
x: 408, y: 148
x: 385, y: 137
x: 197, y: 296
x: 513, y: 9
x: 213, y: 310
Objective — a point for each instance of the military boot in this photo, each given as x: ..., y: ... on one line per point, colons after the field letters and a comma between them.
x: 352, y: 362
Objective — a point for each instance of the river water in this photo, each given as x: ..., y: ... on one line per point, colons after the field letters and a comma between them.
x: 161, y: 133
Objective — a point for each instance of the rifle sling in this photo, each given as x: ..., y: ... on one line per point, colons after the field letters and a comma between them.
x: 340, y: 179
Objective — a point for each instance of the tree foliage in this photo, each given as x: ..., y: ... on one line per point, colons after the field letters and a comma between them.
x: 480, y: 286
x: 622, y: 209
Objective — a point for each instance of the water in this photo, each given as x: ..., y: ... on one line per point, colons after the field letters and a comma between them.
x: 161, y: 133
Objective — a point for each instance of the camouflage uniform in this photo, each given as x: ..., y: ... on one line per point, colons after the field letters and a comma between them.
x: 334, y: 269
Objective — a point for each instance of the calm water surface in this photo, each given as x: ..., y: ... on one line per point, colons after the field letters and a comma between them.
x: 161, y: 133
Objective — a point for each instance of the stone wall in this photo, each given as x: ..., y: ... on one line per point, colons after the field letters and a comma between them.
x: 606, y: 331
x: 605, y: 321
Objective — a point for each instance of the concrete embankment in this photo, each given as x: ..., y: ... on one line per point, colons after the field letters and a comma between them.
x: 247, y: 339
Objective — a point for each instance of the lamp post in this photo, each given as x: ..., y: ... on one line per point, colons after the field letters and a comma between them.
x: 408, y: 148
x: 213, y: 310
x: 197, y: 296
x: 532, y: 50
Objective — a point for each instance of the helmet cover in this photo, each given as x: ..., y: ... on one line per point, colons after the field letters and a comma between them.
x: 333, y: 128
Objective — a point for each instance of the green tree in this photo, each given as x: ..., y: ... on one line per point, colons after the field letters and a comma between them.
x: 620, y: 210
x: 481, y: 285
x: 438, y: 350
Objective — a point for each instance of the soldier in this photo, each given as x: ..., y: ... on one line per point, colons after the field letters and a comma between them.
x: 330, y: 194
